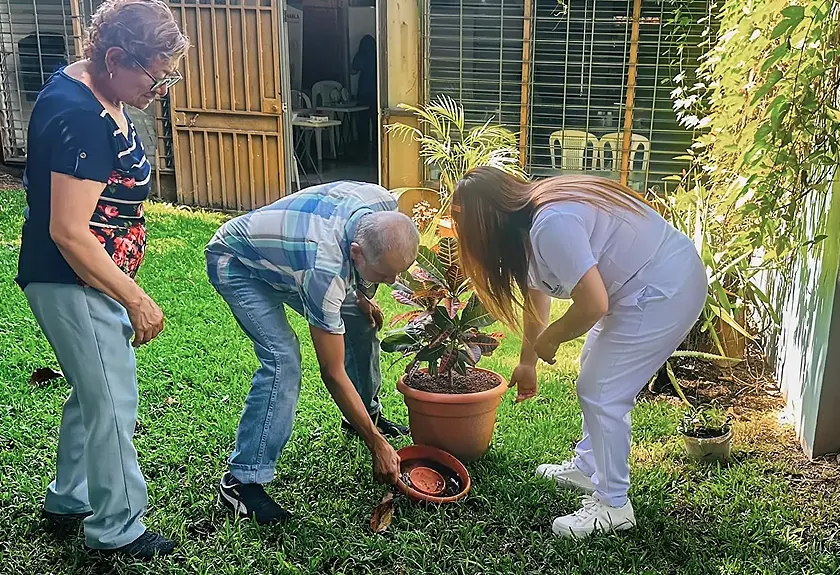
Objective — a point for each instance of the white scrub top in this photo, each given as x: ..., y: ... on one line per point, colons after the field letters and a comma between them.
x: 569, y: 237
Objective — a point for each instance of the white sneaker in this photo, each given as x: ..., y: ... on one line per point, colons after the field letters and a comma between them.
x: 567, y: 475
x: 595, y: 516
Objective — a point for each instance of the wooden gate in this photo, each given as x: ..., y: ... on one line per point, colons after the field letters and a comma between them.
x: 227, y: 114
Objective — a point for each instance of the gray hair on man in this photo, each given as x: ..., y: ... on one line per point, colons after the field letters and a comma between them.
x: 382, y: 232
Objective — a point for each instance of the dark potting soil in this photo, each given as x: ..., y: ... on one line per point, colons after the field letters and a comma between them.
x: 474, y: 382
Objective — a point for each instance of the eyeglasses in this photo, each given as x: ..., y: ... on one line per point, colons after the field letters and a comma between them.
x: 158, y: 83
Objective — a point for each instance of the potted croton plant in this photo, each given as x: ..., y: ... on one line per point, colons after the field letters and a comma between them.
x: 451, y: 403
x: 707, y: 433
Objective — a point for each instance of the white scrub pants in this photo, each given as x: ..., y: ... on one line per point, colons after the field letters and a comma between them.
x: 623, y: 352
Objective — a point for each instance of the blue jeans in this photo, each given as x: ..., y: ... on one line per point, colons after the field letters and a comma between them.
x: 96, y: 467
x: 266, y: 422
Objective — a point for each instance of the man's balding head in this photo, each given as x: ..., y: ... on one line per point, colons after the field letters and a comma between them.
x: 385, y: 245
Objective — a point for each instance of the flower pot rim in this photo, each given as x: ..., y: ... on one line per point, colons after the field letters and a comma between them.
x: 440, y: 456
x: 474, y: 397
x: 723, y: 436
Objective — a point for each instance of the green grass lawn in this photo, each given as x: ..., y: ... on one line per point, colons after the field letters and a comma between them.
x: 753, y: 516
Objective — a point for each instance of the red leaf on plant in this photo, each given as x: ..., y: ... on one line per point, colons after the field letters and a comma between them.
x: 486, y: 344
x: 452, y: 306
x: 447, y: 361
x: 403, y: 298
x: 43, y: 375
x: 382, y: 514
x: 408, y: 316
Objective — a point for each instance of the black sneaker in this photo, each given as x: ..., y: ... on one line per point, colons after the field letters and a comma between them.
x: 386, y: 427
x: 250, y: 501
x: 146, y: 546
x: 64, y: 518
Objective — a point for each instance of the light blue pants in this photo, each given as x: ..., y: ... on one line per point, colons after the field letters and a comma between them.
x: 266, y: 422
x: 622, y: 352
x: 97, y: 467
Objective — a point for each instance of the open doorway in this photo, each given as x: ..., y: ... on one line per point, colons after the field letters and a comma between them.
x: 333, y: 100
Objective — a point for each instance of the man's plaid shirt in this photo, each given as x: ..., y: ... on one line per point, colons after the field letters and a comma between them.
x: 301, y: 244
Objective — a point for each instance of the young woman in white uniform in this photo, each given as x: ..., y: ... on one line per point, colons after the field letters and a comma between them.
x: 637, y: 287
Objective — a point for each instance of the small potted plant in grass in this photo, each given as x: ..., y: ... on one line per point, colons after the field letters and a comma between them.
x: 451, y: 403
x: 707, y: 433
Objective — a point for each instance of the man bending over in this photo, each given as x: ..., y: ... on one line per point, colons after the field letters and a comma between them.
x: 322, y: 252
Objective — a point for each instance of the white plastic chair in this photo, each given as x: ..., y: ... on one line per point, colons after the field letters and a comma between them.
x: 609, y: 151
x: 573, y: 147
x: 301, y: 102
x: 324, y: 92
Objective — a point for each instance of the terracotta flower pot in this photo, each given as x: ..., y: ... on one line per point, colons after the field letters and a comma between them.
x: 461, y: 424
x: 421, y: 454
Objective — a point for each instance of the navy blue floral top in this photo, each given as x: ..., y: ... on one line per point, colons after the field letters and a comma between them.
x: 71, y: 133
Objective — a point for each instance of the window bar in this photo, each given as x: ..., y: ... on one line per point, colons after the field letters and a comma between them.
x: 501, y: 54
x: 589, y: 83
x: 38, y: 42
x: 653, y: 104
x: 16, y: 56
x: 525, y: 99
x: 565, y: 83
x: 631, y: 91
x: 461, y: 52
x: 621, y: 109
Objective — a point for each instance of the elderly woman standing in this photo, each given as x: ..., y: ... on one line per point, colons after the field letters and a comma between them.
x: 637, y: 287
x: 83, y: 240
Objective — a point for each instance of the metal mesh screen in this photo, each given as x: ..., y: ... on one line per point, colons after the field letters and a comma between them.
x: 36, y: 38
x: 576, y: 80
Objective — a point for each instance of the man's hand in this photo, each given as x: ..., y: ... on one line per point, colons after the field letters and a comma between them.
x: 524, y: 377
x: 386, y: 463
x: 146, y: 319
x: 370, y: 309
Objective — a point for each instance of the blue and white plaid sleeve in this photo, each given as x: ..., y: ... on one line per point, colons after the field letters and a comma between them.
x: 323, y: 293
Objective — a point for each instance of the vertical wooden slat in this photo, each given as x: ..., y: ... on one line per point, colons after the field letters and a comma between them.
x: 208, y: 175
x: 631, y: 92
x: 260, y: 66
x: 216, y: 71
x: 229, y: 33
x: 245, y: 71
x: 187, y: 66
x: 524, y: 108
x: 193, y: 164
x: 237, y: 172
x: 269, y: 194
x: 76, y: 16
x: 222, y: 161
x: 252, y: 184
x: 202, y: 75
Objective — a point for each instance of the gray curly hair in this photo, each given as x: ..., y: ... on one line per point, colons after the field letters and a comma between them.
x: 145, y: 29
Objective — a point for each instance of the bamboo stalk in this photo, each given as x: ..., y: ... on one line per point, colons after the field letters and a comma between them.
x: 631, y: 92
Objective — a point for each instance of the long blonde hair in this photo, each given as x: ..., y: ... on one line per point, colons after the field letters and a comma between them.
x: 493, y: 212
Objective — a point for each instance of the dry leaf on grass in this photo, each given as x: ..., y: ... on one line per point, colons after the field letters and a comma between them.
x: 43, y: 375
x: 383, y: 514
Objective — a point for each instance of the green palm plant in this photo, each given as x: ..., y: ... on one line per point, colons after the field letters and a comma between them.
x: 453, y: 148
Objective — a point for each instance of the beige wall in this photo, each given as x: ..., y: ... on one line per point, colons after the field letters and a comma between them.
x: 401, y: 160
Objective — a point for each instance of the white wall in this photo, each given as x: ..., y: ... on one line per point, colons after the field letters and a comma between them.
x: 802, y: 347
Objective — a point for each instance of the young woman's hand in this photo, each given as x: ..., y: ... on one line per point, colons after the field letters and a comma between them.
x: 546, y: 346
x: 524, y: 377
